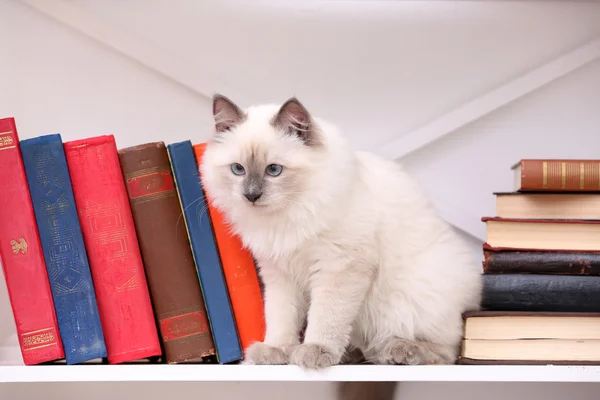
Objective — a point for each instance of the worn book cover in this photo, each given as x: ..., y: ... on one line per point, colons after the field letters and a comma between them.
x: 540, y: 262
x: 554, y: 293
x: 206, y: 254
x: 22, y: 259
x: 240, y: 273
x: 64, y: 248
x: 111, y: 241
x: 176, y: 296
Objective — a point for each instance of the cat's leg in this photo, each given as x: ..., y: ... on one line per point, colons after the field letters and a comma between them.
x: 414, y: 352
x: 285, y: 312
x: 337, y: 294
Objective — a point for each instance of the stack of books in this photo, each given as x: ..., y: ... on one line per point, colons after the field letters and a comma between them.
x: 541, y: 297
x: 116, y: 256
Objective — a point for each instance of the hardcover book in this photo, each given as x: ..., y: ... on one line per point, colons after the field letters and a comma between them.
x: 22, y: 258
x: 64, y: 249
x: 557, y: 175
x: 240, y: 273
x: 206, y: 254
x: 552, y: 293
x: 549, y: 205
x: 172, y: 276
x: 541, y: 262
x: 530, y: 338
x: 115, y: 260
x: 543, y: 234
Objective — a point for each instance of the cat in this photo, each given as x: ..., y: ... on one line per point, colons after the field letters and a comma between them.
x: 346, y: 243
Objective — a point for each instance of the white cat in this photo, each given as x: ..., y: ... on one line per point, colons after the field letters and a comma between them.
x: 345, y: 242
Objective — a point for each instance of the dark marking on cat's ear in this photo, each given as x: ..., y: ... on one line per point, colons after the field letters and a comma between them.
x: 225, y: 113
x: 294, y: 119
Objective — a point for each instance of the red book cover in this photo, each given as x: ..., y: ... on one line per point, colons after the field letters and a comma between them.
x: 113, y: 250
x: 22, y: 257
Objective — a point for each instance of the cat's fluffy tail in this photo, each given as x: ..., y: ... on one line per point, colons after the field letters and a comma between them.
x: 366, y: 390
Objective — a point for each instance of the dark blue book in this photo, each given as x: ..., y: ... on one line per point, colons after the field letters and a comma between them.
x: 64, y: 249
x: 205, y: 252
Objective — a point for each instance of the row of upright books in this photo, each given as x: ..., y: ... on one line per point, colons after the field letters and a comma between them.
x: 117, y: 256
x: 541, y: 296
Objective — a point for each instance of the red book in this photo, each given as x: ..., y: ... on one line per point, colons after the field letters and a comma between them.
x: 22, y: 257
x: 113, y: 251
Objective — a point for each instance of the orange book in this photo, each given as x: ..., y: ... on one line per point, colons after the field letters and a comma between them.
x: 240, y: 274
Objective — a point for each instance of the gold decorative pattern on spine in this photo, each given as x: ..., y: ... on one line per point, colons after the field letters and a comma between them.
x: 39, y: 347
x: 146, y: 171
x: 19, y: 246
x: 38, y: 339
x: 581, y: 176
x: 154, y: 196
x: 545, y: 174
x: 563, y: 175
x: 37, y: 331
x: 7, y: 141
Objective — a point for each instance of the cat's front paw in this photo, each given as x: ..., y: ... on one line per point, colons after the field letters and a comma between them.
x: 314, y: 356
x: 408, y: 352
x: 263, y: 354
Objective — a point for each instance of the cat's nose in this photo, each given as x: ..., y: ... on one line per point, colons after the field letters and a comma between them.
x: 253, y: 196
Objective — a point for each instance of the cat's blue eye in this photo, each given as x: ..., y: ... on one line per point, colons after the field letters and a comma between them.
x: 274, y: 169
x: 237, y: 169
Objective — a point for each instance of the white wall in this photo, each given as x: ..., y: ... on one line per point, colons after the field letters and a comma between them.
x: 379, y: 69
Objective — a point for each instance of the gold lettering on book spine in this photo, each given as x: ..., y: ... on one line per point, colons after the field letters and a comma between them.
x: 6, y: 141
x: 563, y: 175
x: 38, y: 339
x: 19, y: 246
x: 581, y: 176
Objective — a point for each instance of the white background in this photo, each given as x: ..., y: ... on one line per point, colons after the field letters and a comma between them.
x: 379, y: 69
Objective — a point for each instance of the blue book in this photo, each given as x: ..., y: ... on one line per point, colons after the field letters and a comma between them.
x: 64, y: 249
x: 205, y: 252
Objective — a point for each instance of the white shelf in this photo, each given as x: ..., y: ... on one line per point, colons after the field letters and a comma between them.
x: 215, y: 373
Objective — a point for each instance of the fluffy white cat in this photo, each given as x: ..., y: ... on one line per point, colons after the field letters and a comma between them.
x: 345, y: 242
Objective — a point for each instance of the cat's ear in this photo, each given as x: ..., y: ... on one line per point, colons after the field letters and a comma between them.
x: 294, y: 119
x: 225, y: 113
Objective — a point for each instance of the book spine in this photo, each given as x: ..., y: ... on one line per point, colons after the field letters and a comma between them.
x: 113, y: 251
x: 240, y: 274
x: 556, y: 293
x: 22, y: 258
x: 560, y: 175
x: 172, y: 277
x: 204, y: 250
x: 540, y: 262
x: 64, y: 249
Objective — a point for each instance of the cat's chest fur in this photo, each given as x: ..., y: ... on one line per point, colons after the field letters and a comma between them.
x: 303, y: 255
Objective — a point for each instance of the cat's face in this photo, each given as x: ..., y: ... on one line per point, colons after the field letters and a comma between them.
x: 263, y: 159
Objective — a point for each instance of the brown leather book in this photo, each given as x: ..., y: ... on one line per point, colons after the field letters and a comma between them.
x: 557, y: 175
x: 540, y: 262
x: 172, y: 278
